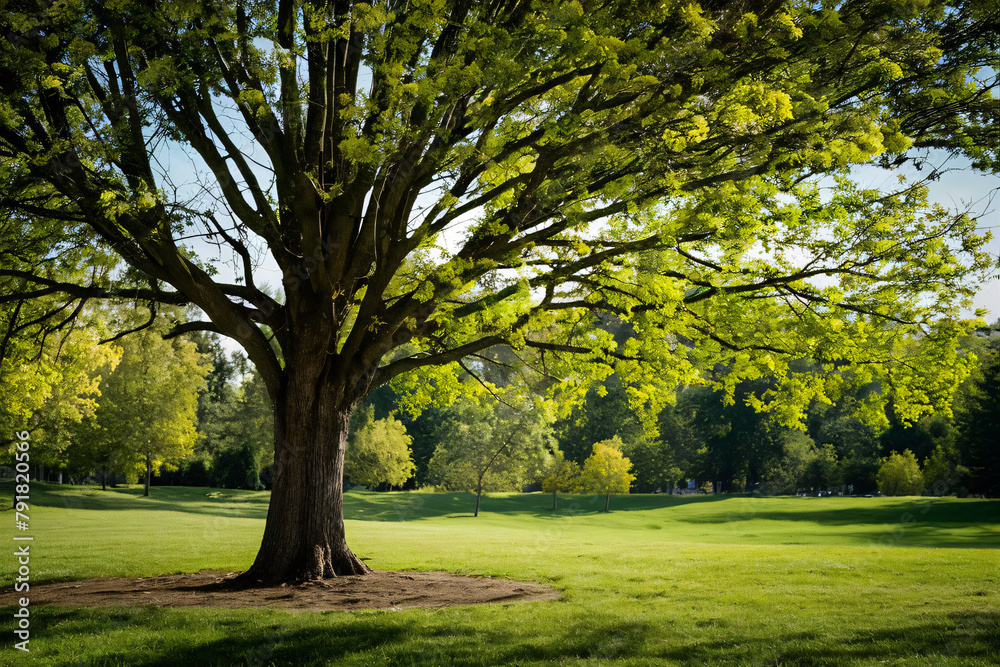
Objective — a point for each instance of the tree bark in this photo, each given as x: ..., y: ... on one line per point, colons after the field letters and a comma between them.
x: 149, y: 468
x: 304, y: 537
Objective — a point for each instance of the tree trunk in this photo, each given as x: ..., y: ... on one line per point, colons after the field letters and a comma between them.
x: 553, y: 501
x: 479, y: 494
x: 607, y: 501
x: 149, y: 469
x: 304, y: 535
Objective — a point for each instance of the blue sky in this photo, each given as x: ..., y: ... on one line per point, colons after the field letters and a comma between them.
x: 960, y: 188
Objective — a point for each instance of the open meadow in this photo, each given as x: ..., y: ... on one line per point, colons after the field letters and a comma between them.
x: 659, y: 580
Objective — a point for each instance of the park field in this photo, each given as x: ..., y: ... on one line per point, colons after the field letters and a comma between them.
x: 659, y: 580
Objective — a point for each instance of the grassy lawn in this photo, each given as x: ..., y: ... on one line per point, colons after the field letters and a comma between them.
x: 659, y: 580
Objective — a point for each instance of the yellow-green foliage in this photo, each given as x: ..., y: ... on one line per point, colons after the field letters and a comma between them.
x: 147, y: 411
x: 900, y: 475
x: 565, y: 478
x: 378, y: 451
x: 606, y: 471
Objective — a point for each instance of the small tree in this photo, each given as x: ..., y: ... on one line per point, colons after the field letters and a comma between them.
x: 942, y: 474
x: 900, y: 475
x: 607, y: 470
x: 378, y: 450
x: 484, y: 447
x: 565, y: 477
x: 823, y: 471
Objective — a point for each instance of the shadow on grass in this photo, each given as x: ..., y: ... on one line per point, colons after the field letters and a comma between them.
x: 926, y: 516
x: 368, y: 506
x: 193, y: 500
x: 904, y: 521
x: 908, y: 510
x: 233, y: 638
x: 963, y: 636
x: 122, y: 636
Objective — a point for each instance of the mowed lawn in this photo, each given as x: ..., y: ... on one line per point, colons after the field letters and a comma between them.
x: 659, y: 580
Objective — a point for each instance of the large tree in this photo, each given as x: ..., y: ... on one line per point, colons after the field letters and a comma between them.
x: 438, y: 178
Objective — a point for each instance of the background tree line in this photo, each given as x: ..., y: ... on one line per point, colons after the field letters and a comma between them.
x: 185, y: 411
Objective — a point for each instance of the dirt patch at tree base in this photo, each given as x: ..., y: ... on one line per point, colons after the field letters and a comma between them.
x: 378, y: 590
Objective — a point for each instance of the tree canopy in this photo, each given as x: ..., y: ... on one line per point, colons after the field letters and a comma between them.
x: 657, y: 169
x: 436, y: 179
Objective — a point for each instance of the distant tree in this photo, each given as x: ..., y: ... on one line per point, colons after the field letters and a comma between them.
x: 943, y: 474
x: 235, y: 422
x: 218, y: 396
x: 921, y: 437
x: 91, y: 451
x: 423, y: 429
x: 900, y: 475
x: 236, y: 468
x: 69, y: 393
x: 604, y: 413
x: 249, y: 426
x: 50, y: 388
x: 148, y: 404
x: 978, y: 420
x: 378, y: 450
x: 675, y: 429
x: 822, y: 473
x: 607, y: 470
x: 858, y: 444
x: 482, y: 447
x: 654, y: 463
x: 788, y: 472
x: 564, y: 478
x: 740, y: 443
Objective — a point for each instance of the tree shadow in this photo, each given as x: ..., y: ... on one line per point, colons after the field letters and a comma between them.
x: 228, y: 503
x: 409, y: 506
x: 916, y: 521
x: 457, y: 638
x: 966, y: 635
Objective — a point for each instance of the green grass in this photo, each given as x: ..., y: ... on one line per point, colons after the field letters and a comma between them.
x: 659, y: 580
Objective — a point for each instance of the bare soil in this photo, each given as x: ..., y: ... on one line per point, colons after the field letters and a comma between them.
x: 378, y: 590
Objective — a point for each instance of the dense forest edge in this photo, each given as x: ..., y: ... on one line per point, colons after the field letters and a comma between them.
x: 187, y: 412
